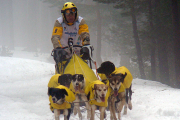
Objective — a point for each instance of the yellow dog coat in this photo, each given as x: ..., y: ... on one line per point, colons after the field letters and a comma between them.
x: 128, y: 79
x: 53, y: 82
x: 90, y: 88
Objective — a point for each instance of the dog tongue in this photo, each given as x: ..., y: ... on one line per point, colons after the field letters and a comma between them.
x: 102, y: 99
x: 116, y: 93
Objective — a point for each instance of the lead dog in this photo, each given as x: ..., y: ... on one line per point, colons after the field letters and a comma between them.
x: 97, y: 93
x: 117, y: 96
x: 78, y: 83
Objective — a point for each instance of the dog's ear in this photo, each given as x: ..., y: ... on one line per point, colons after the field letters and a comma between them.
x: 73, y: 76
x: 81, y: 75
x: 60, y: 79
x: 64, y: 91
x: 95, y: 86
x: 107, y: 87
x: 124, y: 75
x: 50, y: 91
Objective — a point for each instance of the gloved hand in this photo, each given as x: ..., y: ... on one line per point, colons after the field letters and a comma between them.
x: 59, y: 54
x: 86, y: 52
x: 55, y: 53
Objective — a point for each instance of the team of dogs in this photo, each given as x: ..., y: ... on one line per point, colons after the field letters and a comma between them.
x: 116, y: 100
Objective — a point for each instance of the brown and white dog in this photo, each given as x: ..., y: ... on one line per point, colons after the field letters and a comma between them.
x: 121, y: 95
x: 78, y: 83
x: 117, y: 98
x: 97, y: 93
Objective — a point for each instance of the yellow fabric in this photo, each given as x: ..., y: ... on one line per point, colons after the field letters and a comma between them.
x: 90, y: 88
x: 58, y: 31
x: 128, y: 79
x: 59, y: 65
x: 53, y: 82
x: 70, y: 98
x: 83, y: 28
x: 102, y: 76
x: 77, y: 66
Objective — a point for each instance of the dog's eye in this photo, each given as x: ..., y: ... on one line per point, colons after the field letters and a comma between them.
x: 112, y: 83
x: 99, y: 90
x: 104, y: 89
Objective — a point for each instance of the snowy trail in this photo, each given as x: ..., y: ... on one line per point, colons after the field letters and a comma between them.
x: 23, y: 94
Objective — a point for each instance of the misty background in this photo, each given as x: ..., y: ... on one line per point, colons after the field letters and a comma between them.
x: 143, y: 35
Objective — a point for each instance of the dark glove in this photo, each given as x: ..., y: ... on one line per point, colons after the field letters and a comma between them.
x: 86, y: 52
x: 59, y: 54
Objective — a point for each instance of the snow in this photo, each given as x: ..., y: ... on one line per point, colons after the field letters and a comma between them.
x: 23, y: 93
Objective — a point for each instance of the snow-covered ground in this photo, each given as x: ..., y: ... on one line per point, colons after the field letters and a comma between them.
x: 23, y: 93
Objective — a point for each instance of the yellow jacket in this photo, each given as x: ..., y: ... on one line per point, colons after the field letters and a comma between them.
x: 128, y: 79
x: 69, y: 99
x: 61, y: 32
x: 102, y: 76
x: 53, y: 82
x: 77, y: 66
x: 92, y: 101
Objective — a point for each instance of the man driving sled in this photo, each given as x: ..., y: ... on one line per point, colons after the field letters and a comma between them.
x: 70, y: 31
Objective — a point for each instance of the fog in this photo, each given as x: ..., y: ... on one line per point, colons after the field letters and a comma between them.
x: 26, y: 23
x: 29, y: 23
x: 120, y: 32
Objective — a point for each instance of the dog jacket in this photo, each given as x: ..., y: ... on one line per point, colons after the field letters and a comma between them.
x: 76, y: 65
x: 128, y: 79
x: 68, y: 99
x: 53, y: 82
x: 102, y: 76
x: 90, y: 89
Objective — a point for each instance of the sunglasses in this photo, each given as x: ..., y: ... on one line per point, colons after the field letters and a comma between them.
x: 69, y: 11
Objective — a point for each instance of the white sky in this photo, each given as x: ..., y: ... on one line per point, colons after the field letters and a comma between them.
x: 23, y: 93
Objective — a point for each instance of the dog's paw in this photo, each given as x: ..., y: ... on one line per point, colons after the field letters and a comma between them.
x: 75, y: 111
x: 130, y: 105
x: 88, y: 115
x: 80, y: 116
x: 125, y: 110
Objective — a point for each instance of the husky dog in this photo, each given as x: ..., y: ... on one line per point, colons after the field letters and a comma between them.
x: 117, y: 97
x: 78, y: 83
x: 97, y: 94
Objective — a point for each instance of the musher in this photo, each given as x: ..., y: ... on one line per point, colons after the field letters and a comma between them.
x: 69, y: 30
